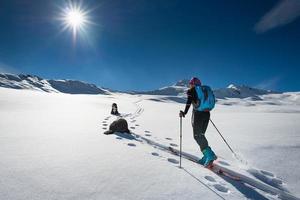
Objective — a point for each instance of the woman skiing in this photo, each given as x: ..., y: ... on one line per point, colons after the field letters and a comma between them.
x: 203, y: 101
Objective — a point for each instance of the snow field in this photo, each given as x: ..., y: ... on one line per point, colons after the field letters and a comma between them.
x: 52, y: 146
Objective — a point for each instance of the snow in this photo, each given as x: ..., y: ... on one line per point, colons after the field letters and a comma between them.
x: 31, y: 82
x: 177, y: 90
x: 183, y: 83
x: 52, y: 146
x: 234, y: 91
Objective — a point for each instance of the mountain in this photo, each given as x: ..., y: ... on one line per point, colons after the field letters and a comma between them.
x: 178, y: 89
x: 75, y: 87
x: 167, y: 91
x: 183, y: 83
x: 233, y: 91
x: 36, y: 83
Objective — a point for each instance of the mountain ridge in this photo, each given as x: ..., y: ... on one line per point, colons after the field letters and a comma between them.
x: 34, y: 82
x: 231, y: 91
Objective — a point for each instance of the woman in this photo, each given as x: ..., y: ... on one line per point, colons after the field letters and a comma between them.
x: 200, y: 119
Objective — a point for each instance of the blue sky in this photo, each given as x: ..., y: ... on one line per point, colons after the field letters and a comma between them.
x: 144, y: 45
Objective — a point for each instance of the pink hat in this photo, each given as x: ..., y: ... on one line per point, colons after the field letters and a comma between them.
x: 195, y: 81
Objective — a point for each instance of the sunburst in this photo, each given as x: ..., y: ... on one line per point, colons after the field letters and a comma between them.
x: 75, y: 18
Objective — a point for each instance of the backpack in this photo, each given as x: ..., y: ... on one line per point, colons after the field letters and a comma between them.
x: 119, y: 125
x: 206, y: 98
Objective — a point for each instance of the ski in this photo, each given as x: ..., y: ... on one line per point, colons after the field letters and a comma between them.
x: 219, y: 170
x: 211, y: 167
x: 187, y: 156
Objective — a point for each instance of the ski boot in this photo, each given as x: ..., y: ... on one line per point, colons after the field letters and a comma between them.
x: 202, y: 160
x: 210, y: 156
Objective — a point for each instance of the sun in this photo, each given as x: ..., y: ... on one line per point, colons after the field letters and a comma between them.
x: 75, y: 18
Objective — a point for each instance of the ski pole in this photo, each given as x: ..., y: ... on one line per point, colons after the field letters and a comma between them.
x: 222, y: 137
x: 180, y: 140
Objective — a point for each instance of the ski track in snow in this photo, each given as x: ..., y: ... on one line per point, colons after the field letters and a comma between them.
x: 265, y: 177
x: 29, y: 166
x: 268, y: 178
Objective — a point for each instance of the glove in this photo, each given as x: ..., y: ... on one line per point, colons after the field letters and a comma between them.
x: 181, y: 114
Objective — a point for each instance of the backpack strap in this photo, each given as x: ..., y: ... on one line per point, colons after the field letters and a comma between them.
x: 205, y: 93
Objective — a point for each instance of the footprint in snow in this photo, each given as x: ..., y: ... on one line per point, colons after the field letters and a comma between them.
x: 147, y: 132
x: 137, y: 136
x: 210, y: 178
x: 173, y: 145
x: 172, y: 160
x: 104, y: 128
x: 104, y: 124
x: 133, y: 121
x: 268, y: 178
x: 267, y: 173
x: 217, y: 186
x: 137, y: 125
x: 131, y: 144
x: 119, y: 138
x: 154, y: 154
x: 132, y: 127
x: 277, y: 181
x: 167, y: 138
x: 148, y: 135
x: 221, y: 188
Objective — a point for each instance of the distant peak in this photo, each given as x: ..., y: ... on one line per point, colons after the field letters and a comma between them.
x: 232, y: 86
x: 182, y: 83
x: 239, y: 87
x: 25, y: 76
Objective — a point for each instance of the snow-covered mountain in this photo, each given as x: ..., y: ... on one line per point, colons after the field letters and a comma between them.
x: 232, y: 91
x: 177, y: 92
x: 36, y: 83
x: 168, y: 91
x: 231, y: 95
x: 183, y: 83
x: 178, y: 89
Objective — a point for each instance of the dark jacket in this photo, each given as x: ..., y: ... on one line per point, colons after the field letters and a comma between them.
x: 192, y: 98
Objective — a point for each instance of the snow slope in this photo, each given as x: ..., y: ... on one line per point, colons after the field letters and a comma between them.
x: 233, y: 91
x: 52, y: 146
x: 36, y: 83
